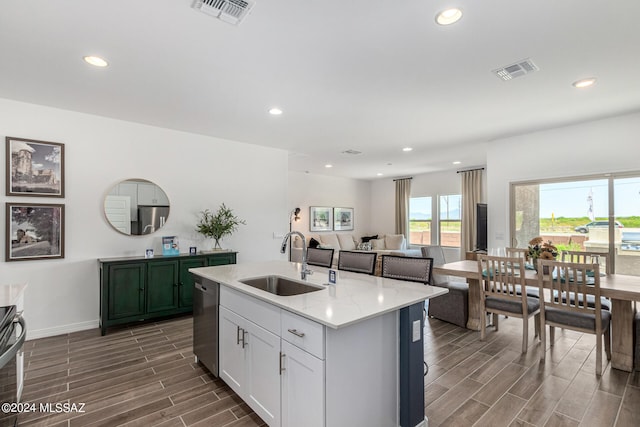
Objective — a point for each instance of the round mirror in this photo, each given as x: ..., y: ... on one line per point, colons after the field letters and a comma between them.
x: 136, y: 207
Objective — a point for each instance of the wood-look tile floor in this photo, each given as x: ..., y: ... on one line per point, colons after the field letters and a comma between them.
x: 139, y: 376
x: 146, y: 376
x: 491, y: 383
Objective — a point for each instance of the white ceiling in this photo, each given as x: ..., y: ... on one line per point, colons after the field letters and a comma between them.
x: 368, y: 75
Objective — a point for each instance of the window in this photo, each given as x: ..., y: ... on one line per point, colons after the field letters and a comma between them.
x: 420, y: 215
x: 589, y: 214
x: 450, y: 220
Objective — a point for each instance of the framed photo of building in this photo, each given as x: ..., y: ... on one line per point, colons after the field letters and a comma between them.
x: 320, y: 218
x: 342, y: 219
x: 34, y: 168
x: 34, y: 231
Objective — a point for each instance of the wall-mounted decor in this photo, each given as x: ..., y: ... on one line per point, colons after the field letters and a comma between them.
x: 342, y: 219
x: 320, y: 218
x: 34, y: 168
x: 34, y: 231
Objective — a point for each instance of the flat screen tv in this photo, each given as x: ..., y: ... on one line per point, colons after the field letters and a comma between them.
x: 481, y: 226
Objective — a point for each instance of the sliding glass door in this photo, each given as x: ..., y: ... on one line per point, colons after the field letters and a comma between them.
x: 588, y: 213
x: 627, y: 208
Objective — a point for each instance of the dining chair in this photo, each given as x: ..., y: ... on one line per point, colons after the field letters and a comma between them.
x: 358, y: 262
x: 407, y: 268
x: 517, y: 253
x: 501, y: 277
x: 591, y: 257
x: 588, y: 257
x: 452, y: 307
x: 578, y: 280
x: 320, y: 257
x: 523, y: 255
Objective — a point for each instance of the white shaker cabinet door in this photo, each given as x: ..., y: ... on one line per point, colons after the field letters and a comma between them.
x: 232, y: 353
x: 263, y: 373
x: 302, y: 388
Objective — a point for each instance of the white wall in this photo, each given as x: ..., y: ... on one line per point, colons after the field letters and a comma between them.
x: 307, y: 190
x: 195, y: 171
x: 608, y: 145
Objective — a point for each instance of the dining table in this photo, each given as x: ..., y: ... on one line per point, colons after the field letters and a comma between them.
x: 622, y: 290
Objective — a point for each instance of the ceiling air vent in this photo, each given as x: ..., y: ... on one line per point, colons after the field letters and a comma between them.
x: 518, y: 69
x: 231, y: 11
x: 352, y: 152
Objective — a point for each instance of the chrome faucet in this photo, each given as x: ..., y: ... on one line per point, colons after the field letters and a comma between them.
x: 305, y: 270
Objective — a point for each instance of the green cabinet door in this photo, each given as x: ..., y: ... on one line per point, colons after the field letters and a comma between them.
x: 126, y: 283
x: 186, y: 279
x: 162, y: 291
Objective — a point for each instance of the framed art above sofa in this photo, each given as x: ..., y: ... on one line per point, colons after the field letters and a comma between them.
x: 320, y: 218
x: 342, y: 219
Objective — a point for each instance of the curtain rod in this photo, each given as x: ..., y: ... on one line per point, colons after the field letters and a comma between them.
x: 471, y: 170
x: 400, y: 179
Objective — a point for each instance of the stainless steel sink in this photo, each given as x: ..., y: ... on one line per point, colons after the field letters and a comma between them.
x: 279, y: 285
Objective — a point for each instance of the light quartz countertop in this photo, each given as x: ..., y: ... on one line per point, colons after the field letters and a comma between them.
x: 11, y: 294
x: 355, y: 297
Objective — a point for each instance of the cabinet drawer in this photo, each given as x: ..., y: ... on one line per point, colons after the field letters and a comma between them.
x: 259, y: 312
x: 303, y: 333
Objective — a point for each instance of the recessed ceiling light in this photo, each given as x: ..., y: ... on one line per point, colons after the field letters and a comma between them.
x: 328, y: 166
x: 457, y: 162
x: 449, y: 16
x: 275, y: 111
x: 379, y: 174
x: 95, y: 61
x: 584, y: 83
x: 407, y: 149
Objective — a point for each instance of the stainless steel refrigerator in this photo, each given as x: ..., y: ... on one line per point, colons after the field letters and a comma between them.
x: 151, y: 218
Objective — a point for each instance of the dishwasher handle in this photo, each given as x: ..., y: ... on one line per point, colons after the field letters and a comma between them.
x: 11, y: 351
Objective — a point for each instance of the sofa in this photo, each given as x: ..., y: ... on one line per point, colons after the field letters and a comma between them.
x: 390, y: 244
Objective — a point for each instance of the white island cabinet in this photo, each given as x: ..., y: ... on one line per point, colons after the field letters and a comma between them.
x: 328, y: 358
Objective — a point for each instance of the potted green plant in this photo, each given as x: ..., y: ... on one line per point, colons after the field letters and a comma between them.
x: 216, y: 226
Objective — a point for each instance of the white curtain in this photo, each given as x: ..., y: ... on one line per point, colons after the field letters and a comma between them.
x: 471, y: 193
x: 403, y: 193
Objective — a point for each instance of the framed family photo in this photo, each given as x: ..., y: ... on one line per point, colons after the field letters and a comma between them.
x: 34, y: 168
x: 34, y: 231
x: 320, y: 218
x: 342, y: 219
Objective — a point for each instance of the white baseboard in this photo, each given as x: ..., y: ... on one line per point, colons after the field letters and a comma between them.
x: 60, y: 330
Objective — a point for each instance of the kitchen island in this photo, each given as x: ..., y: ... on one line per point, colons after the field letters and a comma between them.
x: 344, y: 355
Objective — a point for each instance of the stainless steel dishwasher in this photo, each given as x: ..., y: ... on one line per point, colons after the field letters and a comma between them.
x: 206, y: 300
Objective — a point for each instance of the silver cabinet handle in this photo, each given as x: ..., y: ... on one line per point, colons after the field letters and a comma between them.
x: 296, y: 333
x: 238, y: 335
x: 282, y: 355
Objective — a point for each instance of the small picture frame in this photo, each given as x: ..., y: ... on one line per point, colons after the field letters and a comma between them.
x: 34, y: 231
x: 34, y: 168
x: 342, y: 219
x: 148, y: 253
x: 320, y: 218
x: 193, y: 250
x: 170, y: 245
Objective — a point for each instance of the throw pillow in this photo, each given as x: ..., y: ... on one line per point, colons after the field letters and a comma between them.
x: 364, y: 246
x: 330, y: 239
x: 394, y: 241
x: 346, y: 242
x: 377, y: 244
x: 365, y: 239
x: 313, y: 243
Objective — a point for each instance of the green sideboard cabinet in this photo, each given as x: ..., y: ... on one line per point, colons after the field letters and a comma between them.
x: 137, y: 288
